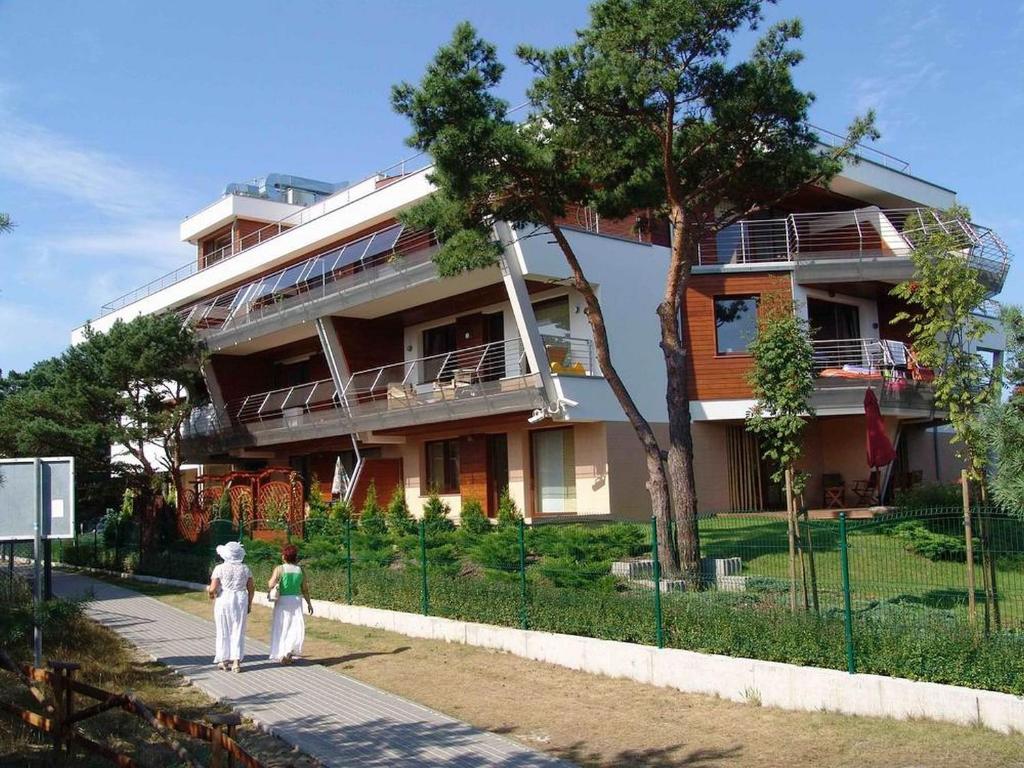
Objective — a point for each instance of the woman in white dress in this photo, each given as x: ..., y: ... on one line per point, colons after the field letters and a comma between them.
x: 231, y: 588
x: 288, y: 629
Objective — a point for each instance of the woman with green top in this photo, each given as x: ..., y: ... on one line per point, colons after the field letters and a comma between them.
x: 288, y: 629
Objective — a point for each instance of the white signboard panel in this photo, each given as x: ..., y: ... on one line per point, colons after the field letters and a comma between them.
x: 18, y: 488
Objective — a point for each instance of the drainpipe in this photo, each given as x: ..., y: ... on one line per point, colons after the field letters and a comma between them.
x: 522, y: 309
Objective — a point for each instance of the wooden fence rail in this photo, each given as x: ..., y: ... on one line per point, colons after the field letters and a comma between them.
x: 61, y: 718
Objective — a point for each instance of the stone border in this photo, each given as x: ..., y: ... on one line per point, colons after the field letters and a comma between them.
x: 767, y: 683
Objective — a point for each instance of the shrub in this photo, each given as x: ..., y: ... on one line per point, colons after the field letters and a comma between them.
x: 929, y: 496
x: 435, y: 515
x: 508, y: 512
x: 340, y: 510
x: 917, y: 538
x: 472, y: 519
x: 371, y: 517
x: 318, y: 508
x: 399, y: 521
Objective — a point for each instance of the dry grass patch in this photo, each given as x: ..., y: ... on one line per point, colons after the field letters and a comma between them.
x: 595, y: 721
x: 110, y: 663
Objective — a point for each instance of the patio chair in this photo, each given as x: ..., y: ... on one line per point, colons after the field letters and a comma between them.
x: 833, y: 489
x: 866, y: 491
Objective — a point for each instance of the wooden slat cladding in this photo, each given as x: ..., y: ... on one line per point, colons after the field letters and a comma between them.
x: 744, y: 471
x: 473, y: 467
x: 643, y: 226
x: 712, y: 376
x: 386, y: 475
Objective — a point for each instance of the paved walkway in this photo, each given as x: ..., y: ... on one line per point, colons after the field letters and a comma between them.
x: 336, y: 719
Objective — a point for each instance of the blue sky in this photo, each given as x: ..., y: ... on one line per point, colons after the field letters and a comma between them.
x: 119, y: 118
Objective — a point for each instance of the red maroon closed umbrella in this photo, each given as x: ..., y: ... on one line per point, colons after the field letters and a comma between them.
x: 880, y: 450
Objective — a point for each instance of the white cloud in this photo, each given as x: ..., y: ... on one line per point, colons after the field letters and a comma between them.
x: 36, y: 157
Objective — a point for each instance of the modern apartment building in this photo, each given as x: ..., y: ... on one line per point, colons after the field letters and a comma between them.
x: 331, y: 334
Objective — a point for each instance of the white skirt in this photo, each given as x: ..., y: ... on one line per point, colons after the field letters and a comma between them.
x: 289, y: 627
x: 230, y: 612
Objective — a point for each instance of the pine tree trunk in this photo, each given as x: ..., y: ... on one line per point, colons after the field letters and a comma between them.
x: 657, y: 479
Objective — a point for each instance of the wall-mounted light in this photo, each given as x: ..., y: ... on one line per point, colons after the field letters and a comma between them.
x: 409, y: 348
x: 467, y: 334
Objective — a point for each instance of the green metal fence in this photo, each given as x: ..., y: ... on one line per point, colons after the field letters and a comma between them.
x: 891, y: 595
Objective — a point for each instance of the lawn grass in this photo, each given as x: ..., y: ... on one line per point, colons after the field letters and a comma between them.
x: 600, y: 722
x: 881, y: 567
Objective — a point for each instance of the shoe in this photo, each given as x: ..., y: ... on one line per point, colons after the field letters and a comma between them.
x: 287, y: 659
x: 236, y: 667
x: 223, y: 666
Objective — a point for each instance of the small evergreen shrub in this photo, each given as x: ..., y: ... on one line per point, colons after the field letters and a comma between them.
x: 929, y: 496
x: 508, y: 511
x: 399, y: 520
x: 371, y: 517
x: 436, y: 515
x: 472, y: 520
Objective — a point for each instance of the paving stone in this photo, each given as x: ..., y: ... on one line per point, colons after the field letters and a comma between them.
x: 337, y: 720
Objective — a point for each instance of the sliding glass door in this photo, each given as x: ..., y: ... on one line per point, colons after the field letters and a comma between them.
x: 554, y: 469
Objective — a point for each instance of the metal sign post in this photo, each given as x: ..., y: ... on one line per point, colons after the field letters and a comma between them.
x: 37, y: 586
x: 37, y: 502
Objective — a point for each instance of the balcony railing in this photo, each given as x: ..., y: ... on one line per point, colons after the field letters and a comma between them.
x: 314, y: 278
x: 480, y: 374
x: 310, y: 213
x: 852, y: 358
x: 860, y: 233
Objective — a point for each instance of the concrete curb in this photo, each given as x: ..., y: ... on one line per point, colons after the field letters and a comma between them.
x: 767, y: 683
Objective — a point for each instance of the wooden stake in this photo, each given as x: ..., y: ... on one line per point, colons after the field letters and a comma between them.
x: 792, y: 540
x: 969, y: 542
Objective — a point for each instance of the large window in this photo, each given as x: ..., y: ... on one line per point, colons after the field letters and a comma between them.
x: 443, y: 466
x: 553, y: 317
x: 735, y: 323
x: 554, y: 469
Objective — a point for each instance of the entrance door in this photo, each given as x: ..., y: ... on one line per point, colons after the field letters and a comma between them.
x: 437, y: 342
x: 497, y: 471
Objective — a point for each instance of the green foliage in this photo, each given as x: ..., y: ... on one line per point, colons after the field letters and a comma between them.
x: 472, y: 518
x: 6, y: 225
x: 928, y: 496
x: 17, y: 615
x: 508, y: 511
x: 318, y: 508
x: 1004, y: 422
x: 399, y: 520
x: 945, y: 293
x: 917, y: 538
x: 371, y: 517
x: 222, y: 507
x: 340, y: 510
x: 436, y: 515
x: 782, y: 379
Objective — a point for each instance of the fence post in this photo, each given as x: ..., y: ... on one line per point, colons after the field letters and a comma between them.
x: 524, y: 615
x: 348, y: 559
x: 844, y: 565
x: 656, y: 568
x: 424, y: 594
x: 969, y: 543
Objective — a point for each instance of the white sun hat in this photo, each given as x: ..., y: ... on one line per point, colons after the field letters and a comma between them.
x: 232, y: 552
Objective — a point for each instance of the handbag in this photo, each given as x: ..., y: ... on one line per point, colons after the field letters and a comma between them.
x: 273, y: 594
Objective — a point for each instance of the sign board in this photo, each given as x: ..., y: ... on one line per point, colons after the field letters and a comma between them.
x: 18, y: 487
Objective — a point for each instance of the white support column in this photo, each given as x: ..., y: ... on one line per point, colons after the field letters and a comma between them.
x: 522, y: 309
x: 333, y: 351
x: 212, y: 386
x: 340, y: 374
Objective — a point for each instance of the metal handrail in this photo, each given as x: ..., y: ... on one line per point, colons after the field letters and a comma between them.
x: 871, y: 355
x: 269, y: 294
x: 480, y: 371
x: 843, y: 234
x: 307, y: 214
